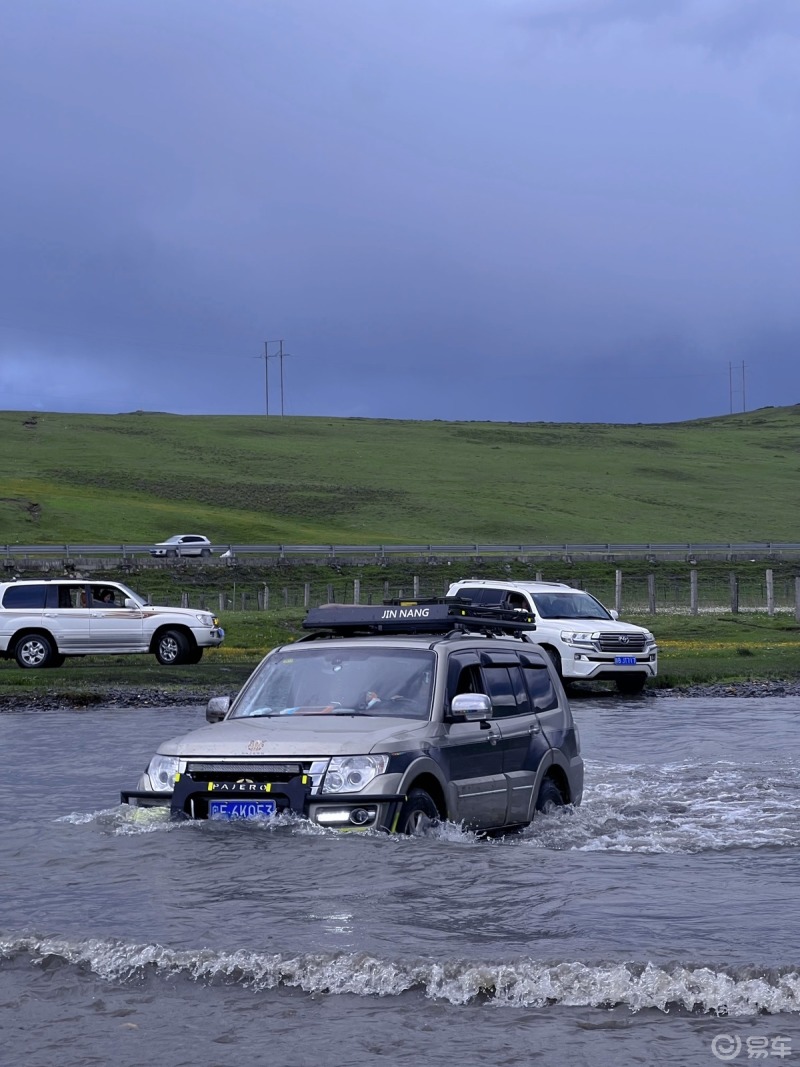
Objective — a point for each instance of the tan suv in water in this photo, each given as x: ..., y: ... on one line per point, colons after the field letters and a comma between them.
x: 42, y: 621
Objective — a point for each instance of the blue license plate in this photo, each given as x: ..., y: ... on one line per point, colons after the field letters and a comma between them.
x: 625, y: 661
x: 241, y: 809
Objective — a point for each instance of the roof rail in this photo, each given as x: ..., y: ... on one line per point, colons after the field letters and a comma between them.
x: 430, y: 615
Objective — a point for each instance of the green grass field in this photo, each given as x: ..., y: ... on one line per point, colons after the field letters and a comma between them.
x: 139, y: 477
x: 693, y: 650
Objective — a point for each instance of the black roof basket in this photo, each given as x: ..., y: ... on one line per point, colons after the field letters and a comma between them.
x: 431, y: 615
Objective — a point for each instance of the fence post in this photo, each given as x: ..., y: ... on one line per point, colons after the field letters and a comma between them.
x: 356, y: 590
x: 222, y: 602
x: 770, y: 594
x: 618, y: 592
x: 538, y: 576
x: 330, y: 593
x: 244, y: 601
x: 734, y: 593
x: 306, y: 594
x: 184, y: 600
x: 416, y: 586
x: 385, y: 590
x: 285, y: 597
x: 651, y: 593
x: 797, y: 599
x: 693, y: 608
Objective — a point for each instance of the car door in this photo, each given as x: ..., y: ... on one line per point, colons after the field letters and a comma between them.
x: 472, y: 754
x: 524, y: 741
x: 113, y: 626
x: 67, y: 616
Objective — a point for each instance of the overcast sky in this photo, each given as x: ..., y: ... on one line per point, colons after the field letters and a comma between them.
x: 525, y: 210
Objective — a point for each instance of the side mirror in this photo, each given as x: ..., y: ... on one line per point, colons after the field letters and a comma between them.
x: 217, y: 708
x: 614, y: 614
x: 470, y: 707
x: 129, y: 603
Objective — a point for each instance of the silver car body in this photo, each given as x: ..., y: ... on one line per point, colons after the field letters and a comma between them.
x: 183, y: 545
x: 484, y: 769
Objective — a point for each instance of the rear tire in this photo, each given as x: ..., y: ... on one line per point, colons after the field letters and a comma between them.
x: 631, y: 683
x: 417, y: 815
x: 172, y: 648
x: 34, y: 651
x: 549, y: 797
x: 206, y: 552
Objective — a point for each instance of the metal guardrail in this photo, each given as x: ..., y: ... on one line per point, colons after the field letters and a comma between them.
x: 688, y: 549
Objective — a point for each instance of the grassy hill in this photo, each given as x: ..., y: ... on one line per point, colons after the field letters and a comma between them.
x: 141, y: 476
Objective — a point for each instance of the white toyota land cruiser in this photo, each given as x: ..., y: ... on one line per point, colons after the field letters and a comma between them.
x: 585, y: 640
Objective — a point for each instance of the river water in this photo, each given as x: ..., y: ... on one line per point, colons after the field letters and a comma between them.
x: 656, y: 924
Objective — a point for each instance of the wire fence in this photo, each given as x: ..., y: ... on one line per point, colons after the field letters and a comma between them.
x: 632, y: 595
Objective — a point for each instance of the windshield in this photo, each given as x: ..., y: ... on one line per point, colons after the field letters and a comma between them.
x: 394, y: 682
x: 569, y: 605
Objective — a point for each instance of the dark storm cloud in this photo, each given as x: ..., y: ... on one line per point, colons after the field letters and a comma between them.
x: 522, y: 210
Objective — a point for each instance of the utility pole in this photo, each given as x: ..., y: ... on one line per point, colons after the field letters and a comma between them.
x: 267, y: 357
x: 744, y: 403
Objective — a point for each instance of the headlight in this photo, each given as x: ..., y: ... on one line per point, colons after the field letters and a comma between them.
x: 573, y: 637
x: 206, y: 620
x: 162, y: 771
x: 349, y: 774
x: 649, y: 639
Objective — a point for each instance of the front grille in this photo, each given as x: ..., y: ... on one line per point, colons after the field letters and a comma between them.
x: 622, y: 643
x: 256, y: 770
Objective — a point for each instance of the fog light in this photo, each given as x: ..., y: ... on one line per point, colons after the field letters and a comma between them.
x: 332, y: 817
x: 360, y: 816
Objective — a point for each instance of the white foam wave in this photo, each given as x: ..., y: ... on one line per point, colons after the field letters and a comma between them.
x: 677, y: 808
x: 517, y: 983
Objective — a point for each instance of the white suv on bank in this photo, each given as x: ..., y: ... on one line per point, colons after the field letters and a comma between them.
x: 42, y: 621
x: 585, y: 640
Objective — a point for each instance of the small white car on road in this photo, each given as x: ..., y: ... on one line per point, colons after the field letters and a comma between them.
x: 183, y: 545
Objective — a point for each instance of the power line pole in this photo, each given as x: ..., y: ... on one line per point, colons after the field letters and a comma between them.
x: 267, y: 357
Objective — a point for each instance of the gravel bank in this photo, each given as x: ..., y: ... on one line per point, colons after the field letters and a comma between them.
x: 131, y: 697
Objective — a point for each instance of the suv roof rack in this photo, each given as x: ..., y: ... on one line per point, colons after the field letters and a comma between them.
x: 430, y: 615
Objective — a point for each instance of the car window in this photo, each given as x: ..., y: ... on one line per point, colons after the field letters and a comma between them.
x: 324, y: 681
x: 540, y: 687
x: 105, y: 596
x: 506, y: 690
x: 25, y: 596
x: 569, y: 605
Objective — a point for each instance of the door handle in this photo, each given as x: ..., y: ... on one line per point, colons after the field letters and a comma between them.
x: 535, y: 728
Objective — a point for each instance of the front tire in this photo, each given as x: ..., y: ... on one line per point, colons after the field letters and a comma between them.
x: 631, y: 683
x: 417, y: 815
x: 549, y: 797
x: 34, y: 651
x: 172, y: 648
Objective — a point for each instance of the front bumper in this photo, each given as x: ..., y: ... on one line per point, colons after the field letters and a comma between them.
x: 592, y: 664
x: 190, y: 799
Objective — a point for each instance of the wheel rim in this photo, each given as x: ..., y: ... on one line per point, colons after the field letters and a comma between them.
x: 33, y: 653
x: 418, y: 822
x: 169, y: 649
